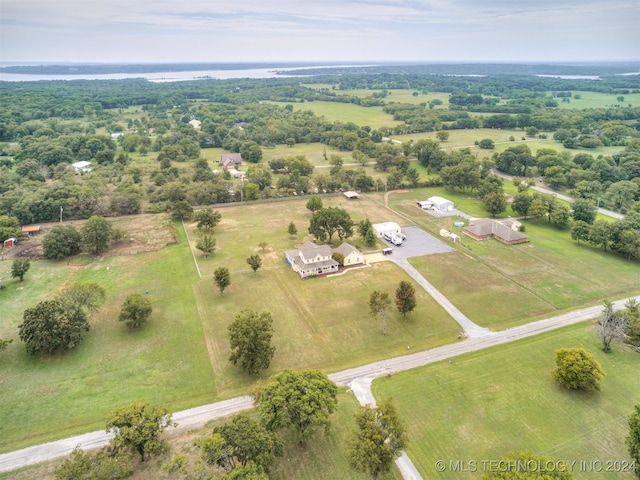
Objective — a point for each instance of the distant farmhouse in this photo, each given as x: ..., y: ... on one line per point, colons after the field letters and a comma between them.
x: 230, y: 161
x: 311, y: 259
x: 485, y: 228
x: 195, y: 123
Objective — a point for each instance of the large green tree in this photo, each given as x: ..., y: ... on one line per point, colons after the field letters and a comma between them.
x: 379, y: 303
x: 9, y: 227
x: 250, y: 338
x: 584, y: 210
x: 633, y: 440
x: 51, y: 326
x: 62, y: 241
x: 87, y: 296
x: 207, y: 219
x: 328, y: 221
x: 405, y: 298
x: 303, y: 401
x: 379, y: 440
x: 577, y: 369
x: 135, y: 310
x: 138, y: 427
x: 96, y: 234
x: 222, y: 278
x: 20, y: 267
x: 494, y: 203
x: 249, y: 441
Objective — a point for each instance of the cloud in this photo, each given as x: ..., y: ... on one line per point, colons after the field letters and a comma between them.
x: 248, y: 30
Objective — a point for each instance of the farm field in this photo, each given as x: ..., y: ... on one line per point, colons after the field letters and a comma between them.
x: 58, y: 396
x: 502, y: 138
x: 482, y: 405
x: 373, y: 117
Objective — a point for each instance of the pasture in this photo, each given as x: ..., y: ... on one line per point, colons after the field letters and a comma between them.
x: 482, y: 405
x: 373, y: 117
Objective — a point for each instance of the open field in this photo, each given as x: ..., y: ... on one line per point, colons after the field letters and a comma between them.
x: 320, y: 323
x: 502, y: 138
x: 599, y: 100
x: 373, y: 117
x: 549, y: 274
x: 61, y: 395
x: 482, y: 405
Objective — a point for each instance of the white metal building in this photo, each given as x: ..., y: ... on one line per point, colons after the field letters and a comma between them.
x: 387, y: 227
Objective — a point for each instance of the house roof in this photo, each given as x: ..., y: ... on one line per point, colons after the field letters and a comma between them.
x: 236, y: 157
x: 351, y: 194
x: 310, y: 249
x: 81, y: 165
x: 31, y: 228
x: 439, y: 200
x: 386, y: 226
x: 485, y: 226
x: 346, y: 249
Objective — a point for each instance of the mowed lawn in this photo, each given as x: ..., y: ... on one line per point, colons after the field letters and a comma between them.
x: 482, y: 405
x: 320, y: 322
x: 499, y: 286
x: 165, y: 362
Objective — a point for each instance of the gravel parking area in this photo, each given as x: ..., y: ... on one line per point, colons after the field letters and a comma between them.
x: 417, y: 244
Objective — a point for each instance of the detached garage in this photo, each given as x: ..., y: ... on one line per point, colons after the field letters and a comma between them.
x: 388, y: 227
x: 441, y: 204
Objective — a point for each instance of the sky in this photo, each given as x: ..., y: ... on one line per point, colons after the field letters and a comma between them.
x: 358, y: 31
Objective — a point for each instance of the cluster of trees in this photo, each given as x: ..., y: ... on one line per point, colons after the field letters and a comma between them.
x: 612, y: 180
x: 379, y: 303
x: 622, y: 236
x: 56, y: 325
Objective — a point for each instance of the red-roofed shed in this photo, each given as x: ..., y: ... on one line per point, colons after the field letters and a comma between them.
x: 31, y: 229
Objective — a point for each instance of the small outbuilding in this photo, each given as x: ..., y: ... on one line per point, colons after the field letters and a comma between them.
x: 484, y: 228
x: 387, y: 227
x: 351, y: 195
x: 31, y: 229
x: 10, y: 242
x: 82, y: 166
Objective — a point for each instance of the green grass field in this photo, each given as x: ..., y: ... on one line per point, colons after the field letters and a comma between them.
x: 181, y: 357
x: 482, y: 405
x: 373, y: 117
x: 165, y: 362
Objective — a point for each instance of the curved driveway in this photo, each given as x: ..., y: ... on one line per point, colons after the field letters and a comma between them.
x: 420, y: 243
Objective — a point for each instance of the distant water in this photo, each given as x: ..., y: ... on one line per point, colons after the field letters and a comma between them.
x: 167, y: 76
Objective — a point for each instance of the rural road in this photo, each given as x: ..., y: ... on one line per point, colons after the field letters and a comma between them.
x: 359, y: 378
x: 543, y: 189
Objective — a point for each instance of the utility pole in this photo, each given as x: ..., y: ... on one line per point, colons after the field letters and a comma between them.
x: 61, y: 209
